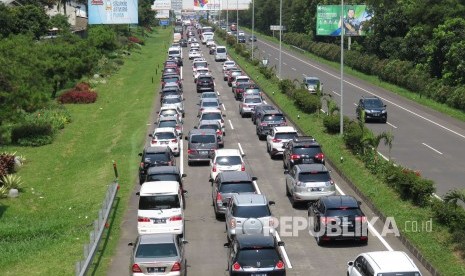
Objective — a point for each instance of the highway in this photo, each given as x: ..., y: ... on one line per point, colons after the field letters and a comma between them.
x: 206, y: 235
x: 424, y: 140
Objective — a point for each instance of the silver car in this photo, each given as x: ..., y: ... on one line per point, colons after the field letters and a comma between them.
x: 208, y: 95
x: 248, y: 104
x: 175, y: 100
x: 171, y: 121
x: 249, y: 214
x: 158, y: 254
x: 201, y: 145
x: 216, y: 126
x: 308, y: 182
x: 209, y: 104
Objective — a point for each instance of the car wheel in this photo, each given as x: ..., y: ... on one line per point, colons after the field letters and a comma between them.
x: 294, y: 203
x: 319, y: 241
x: 261, y: 137
x: 268, y: 148
x: 189, y: 163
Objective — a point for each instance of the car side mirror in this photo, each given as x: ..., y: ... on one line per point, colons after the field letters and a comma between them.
x: 196, y: 127
x: 184, y: 241
x: 183, y: 175
x: 226, y: 244
x: 224, y: 115
x: 271, y: 202
x: 210, y: 180
x: 384, y: 105
x: 131, y: 244
x: 280, y: 243
x: 254, y: 178
x: 184, y: 192
x: 243, y: 155
x: 286, y: 171
x: 186, y: 138
x: 351, y: 263
x: 359, y: 202
x: 150, y: 135
x: 138, y: 193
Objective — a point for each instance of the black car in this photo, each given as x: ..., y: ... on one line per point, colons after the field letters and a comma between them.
x: 302, y: 150
x: 338, y: 217
x: 152, y: 157
x: 371, y: 108
x: 255, y: 255
x: 267, y: 121
x: 183, y: 42
x: 205, y: 83
x: 241, y: 39
x: 259, y: 110
x: 252, y: 38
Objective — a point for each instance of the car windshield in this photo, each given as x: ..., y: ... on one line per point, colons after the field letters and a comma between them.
x: 314, y: 177
x: 237, y: 187
x: 267, y: 257
x: 210, y: 104
x: 251, y: 211
x: 202, y: 71
x: 343, y: 212
x: 167, y: 124
x: 204, y: 79
x: 229, y: 63
x: 228, y: 160
x: 274, y: 118
x: 214, y: 127
x: 373, y: 104
x: 153, y: 158
x: 200, y: 64
x: 203, y: 139
x: 399, y: 274
x: 173, y: 52
x: 253, y: 90
x: 289, y: 135
x: 221, y: 50
x: 310, y: 151
x: 168, y: 112
x: 253, y: 100
x: 159, y: 202
x: 164, y: 135
x: 312, y: 82
x: 158, y: 250
x: 171, y: 100
x: 162, y: 177
x: 171, y: 79
x: 243, y: 80
x: 211, y: 116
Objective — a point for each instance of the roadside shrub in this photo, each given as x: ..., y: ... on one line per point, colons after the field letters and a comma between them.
x: 332, y: 124
x: 82, y: 86
x: 137, y: 40
x: 77, y: 97
x: 457, y: 98
x: 459, y: 238
x: 306, y: 102
x: 353, y: 135
x: 255, y: 62
x: 32, y: 134
x: 285, y: 86
x: 230, y: 40
x: 267, y: 72
x: 57, y: 116
x: 11, y: 181
x: 448, y: 213
x: 7, y: 164
x: 421, y: 191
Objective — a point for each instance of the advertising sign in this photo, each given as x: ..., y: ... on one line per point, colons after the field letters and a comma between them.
x: 162, y: 14
x: 328, y: 20
x: 206, y: 5
x: 113, y: 12
x: 161, y: 5
x: 164, y: 22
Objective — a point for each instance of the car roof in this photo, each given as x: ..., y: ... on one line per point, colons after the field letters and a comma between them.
x: 272, y: 112
x: 159, y: 187
x: 157, y: 238
x: 202, y: 132
x: 216, y: 100
x: 284, y: 129
x: 172, y: 96
x: 337, y: 201
x: 164, y: 129
x: 252, y: 96
x: 391, y: 261
x: 311, y: 78
x: 316, y: 167
x: 156, y: 149
x: 227, y: 152
x: 254, y: 241
x: 250, y: 199
x: 209, y: 122
x: 228, y: 176
x: 163, y: 170
x: 211, y: 110
x: 242, y: 77
x: 304, y: 140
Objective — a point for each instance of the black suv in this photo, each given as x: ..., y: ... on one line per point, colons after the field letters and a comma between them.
x: 228, y: 183
x: 267, y: 121
x: 257, y: 254
x: 241, y: 39
x: 371, y: 108
x: 302, y: 150
x: 338, y: 217
x: 152, y: 157
x: 259, y: 110
x: 205, y: 83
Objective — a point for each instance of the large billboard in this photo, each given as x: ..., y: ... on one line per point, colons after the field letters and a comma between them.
x: 206, y: 5
x: 162, y: 14
x: 113, y: 12
x: 161, y: 5
x: 328, y: 20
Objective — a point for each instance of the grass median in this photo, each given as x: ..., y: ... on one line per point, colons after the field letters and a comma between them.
x: 43, y: 231
x: 435, y: 245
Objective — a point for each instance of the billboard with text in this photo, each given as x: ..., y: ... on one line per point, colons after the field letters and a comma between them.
x: 113, y: 12
x: 328, y: 20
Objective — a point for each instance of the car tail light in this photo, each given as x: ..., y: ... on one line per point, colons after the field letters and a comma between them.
x: 170, y: 163
x: 236, y: 266
x: 243, y: 167
x: 232, y: 223
x: 136, y: 268
x: 154, y: 141
x: 263, y: 124
x: 189, y: 151
x: 176, y: 267
x: 295, y: 156
x: 327, y: 220
x: 174, y: 140
x: 214, y: 168
x: 283, y: 124
x: 219, y: 199
x: 271, y: 222
x: 178, y: 127
x: 142, y: 165
x: 222, y: 121
x: 143, y: 219
x: 175, y: 218
x: 362, y: 219
x: 320, y: 156
x: 279, y: 265
x: 219, y: 132
x: 276, y: 140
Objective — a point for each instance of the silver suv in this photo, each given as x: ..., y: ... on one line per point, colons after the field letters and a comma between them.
x: 201, y: 145
x: 249, y: 214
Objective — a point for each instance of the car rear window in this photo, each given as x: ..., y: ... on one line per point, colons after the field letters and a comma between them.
x: 253, y: 100
x: 159, y: 202
x: 162, y: 177
x: 309, y: 150
x: 156, y: 157
x: 399, y: 274
x: 203, y: 139
x: 211, y: 116
x: 214, y: 127
x: 171, y: 100
x: 170, y: 79
x: 210, y: 104
x: 314, y: 177
x: 273, y: 118
x: 207, y: 95
x: 343, y: 212
x: 164, y: 135
x: 221, y: 50
x: 289, y: 135
x: 267, y: 257
x: 228, y: 160
x: 200, y: 64
x: 205, y: 79
x: 159, y: 250
x: 237, y: 187
x: 167, y: 124
x: 168, y: 112
x: 251, y: 211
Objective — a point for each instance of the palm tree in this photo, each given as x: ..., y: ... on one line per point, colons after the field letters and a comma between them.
x: 373, y: 142
x: 454, y: 196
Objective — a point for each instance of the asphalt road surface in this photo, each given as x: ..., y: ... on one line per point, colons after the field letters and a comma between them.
x: 424, y: 140
x: 206, y: 235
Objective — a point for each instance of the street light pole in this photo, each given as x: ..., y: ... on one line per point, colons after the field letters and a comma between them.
x: 341, y: 108
x: 237, y: 19
x: 227, y: 15
x: 253, y: 24
x: 280, y: 35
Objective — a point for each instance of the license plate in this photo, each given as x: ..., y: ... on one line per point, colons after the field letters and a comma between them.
x: 316, y: 189
x: 258, y: 274
x: 159, y: 220
x: 204, y: 152
x: 164, y: 143
x: 305, y: 160
x: 155, y: 269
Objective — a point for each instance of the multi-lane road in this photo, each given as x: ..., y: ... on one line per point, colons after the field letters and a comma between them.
x: 424, y: 140
x: 206, y: 235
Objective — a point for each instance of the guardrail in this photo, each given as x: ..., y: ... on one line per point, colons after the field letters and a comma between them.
x: 100, y: 224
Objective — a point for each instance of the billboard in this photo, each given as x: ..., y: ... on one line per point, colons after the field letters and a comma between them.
x: 113, y: 12
x: 206, y: 5
x: 161, y: 5
x: 328, y: 20
x: 162, y: 14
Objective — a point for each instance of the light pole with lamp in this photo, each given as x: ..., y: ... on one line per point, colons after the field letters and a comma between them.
x: 341, y: 113
x: 280, y: 35
x: 237, y: 19
x: 227, y: 15
x: 265, y: 61
x: 253, y: 24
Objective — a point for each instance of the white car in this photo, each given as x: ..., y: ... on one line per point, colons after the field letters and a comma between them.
x: 383, y: 263
x: 175, y: 100
x: 201, y: 71
x: 229, y: 64
x: 278, y: 137
x: 195, y: 44
x: 170, y: 110
x: 239, y: 79
x: 248, y: 104
x: 194, y: 54
x: 199, y: 64
x: 226, y: 160
x: 213, y: 114
x: 166, y: 136
x: 210, y: 43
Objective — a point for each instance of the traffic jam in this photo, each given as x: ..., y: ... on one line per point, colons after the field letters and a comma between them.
x: 252, y: 242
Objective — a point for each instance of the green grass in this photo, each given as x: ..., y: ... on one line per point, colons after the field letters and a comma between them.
x: 44, y: 230
x: 434, y: 245
x: 443, y: 108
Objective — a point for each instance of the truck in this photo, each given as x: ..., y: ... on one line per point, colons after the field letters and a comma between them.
x: 233, y: 28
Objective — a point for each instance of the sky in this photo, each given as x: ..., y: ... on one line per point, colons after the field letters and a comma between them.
x: 231, y: 4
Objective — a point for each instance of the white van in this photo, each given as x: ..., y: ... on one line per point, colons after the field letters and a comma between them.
x: 221, y: 54
x: 389, y: 263
x: 175, y: 52
x: 207, y: 36
x: 160, y: 208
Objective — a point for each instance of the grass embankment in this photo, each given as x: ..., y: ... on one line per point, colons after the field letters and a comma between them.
x: 43, y: 231
x: 434, y: 245
x: 443, y: 108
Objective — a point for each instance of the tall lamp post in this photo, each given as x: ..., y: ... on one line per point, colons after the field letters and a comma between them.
x: 280, y: 35
x: 341, y: 108
x: 253, y: 24
x: 237, y: 19
x: 227, y: 15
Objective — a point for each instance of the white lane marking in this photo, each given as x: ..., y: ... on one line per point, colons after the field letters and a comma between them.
x: 181, y: 161
x: 428, y: 146
x: 218, y: 93
x: 391, y: 124
x: 182, y: 67
x: 371, y: 228
x: 269, y: 54
x: 384, y: 157
x: 304, y: 75
x: 240, y: 148
x: 231, y: 124
x: 224, y: 108
x: 276, y: 58
x: 436, y: 196
x: 355, y: 104
x: 256, y: 187
x: 265, y: 102
x: 336, y: 93
x: 373, y: 94
x: 293, y: 69
x: 284, y: 63
x: 149, y: 124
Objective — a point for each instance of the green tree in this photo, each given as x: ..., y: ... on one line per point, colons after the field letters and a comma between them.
x: 29, y: 19
x: 146, y: 14
x: 103, y: 38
